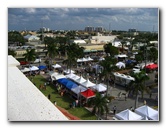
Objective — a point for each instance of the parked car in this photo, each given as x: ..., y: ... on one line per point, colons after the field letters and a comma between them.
x: 137, y: 69
x: 37, y: 61
x: 23, y: 63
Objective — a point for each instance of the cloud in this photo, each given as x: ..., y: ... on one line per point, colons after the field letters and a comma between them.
x: 59, y: 18
x: 46, y: 17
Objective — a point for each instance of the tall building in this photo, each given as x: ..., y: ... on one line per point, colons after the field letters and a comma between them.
x: 89, y: 29
x: 132, y: 30
x: 99, y: 29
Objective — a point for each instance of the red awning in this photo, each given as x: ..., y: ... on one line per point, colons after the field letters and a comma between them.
x: 152, y: 66
x: 88, y: 93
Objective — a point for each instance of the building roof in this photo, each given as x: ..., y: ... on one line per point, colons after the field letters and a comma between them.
x: 25, y: 101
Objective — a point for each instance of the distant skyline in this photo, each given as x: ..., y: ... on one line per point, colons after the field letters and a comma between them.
x: 142, y: 19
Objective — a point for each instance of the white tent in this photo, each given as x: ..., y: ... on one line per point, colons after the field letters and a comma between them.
x: 120, y: 65
x: 33, y: 68
x: 68, y: 71
x: 56, y: 66
x: 87, y: 84
x: 25, y: 70
x: 72, y: 76
x: 80, y: 80
x: 78, y: 89
x: 56, y: 76
x: 145, y: 110
x: 128, y: 115
x: 89, y: 58
x: 82, y: 60
x: 79, y: 60
x: 100, y: 87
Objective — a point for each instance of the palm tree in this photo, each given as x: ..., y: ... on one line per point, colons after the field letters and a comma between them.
x: 74, y: 51
x: 108, y: 67
x: 99, y: 104
x: 52, y: 51
x: 30, y: 55
x: 11, y: 52
x: 111, y: 50
x: 137, y: 85
x: 123, y: 42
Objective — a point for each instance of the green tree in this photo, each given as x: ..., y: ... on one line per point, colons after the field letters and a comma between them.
x: 11, y: 52
x: 111, y: 50
x: 74, y: 51
x: 138, y: 85
x: 30, y: 55
x: 152, y: 54
x: 52, y: 51
x: 99, y: 104
x: 108, y: 67
x: 16, y: 37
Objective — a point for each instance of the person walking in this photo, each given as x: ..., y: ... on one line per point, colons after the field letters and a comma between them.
x: 114, y: 109
x: 49, y: 96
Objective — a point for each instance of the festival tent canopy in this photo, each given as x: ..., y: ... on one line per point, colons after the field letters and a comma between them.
x: 152, y: 66
x: 71, y: 85
x: 80, y: 80
x: 120, y: 65
x: 56, y: 76
x: 25, y: 70
x: 145, y: 110
x: 130, y: 61
x: 67, y: 71
x: 89, y: 58
x: 87, y: 84
x: 41, y: 67
x: 82, y: 60
x: 72, y: 76
x: 63, y: 81
x: 68, y: 83
x: 33, y: 68
x: 128, y: 115
x: 88, y: 93
x: 56, y: 66
x: 78, y: 89
x: 100, y: 87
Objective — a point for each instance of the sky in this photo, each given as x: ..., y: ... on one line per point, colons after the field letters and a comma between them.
x: 142, y: 19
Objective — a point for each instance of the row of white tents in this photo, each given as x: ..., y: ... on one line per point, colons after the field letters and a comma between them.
x: 85, y: 83
x: 141, y: 113
x: 84, y: 59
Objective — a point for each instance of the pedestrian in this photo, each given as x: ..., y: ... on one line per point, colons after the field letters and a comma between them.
x: 49, y: 96
x: 76, y: 103
x: 114, y: 110
x: 150, y: 95
x: 144, y: 102
x: 132, y: 109
x: 120, y: 95
x: 45, y: 84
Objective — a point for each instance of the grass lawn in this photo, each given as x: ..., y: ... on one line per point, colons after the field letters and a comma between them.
x: 64, y: 101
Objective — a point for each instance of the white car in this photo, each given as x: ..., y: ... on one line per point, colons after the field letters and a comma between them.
x: 37, y: 61
x: 137, y: 69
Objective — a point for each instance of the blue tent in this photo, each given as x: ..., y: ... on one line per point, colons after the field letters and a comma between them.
x: 71, y: 85
x: 41, y: 67
x: 130, y: 61
x: 63, y: 81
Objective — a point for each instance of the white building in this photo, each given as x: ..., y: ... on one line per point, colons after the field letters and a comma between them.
x: 25, y: 102
x: 31, y: 38
x: 79, y: 41
x: 102, y: 39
